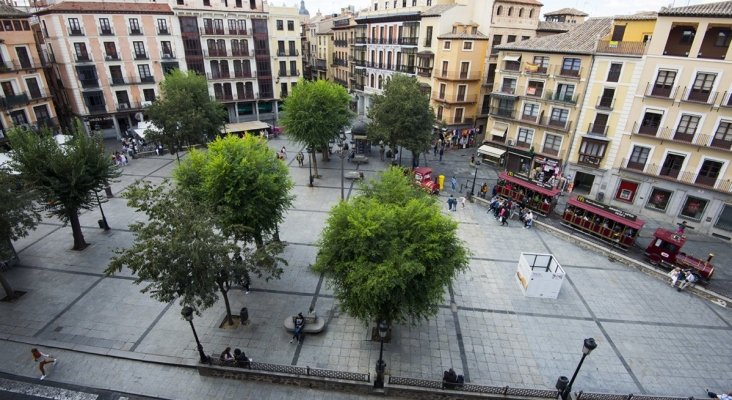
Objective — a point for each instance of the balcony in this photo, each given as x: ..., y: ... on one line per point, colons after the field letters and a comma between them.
x: 76, y: 31
x: 408, y: 41
x: 530, y: 118
x: 12, y: 66
x: 686, y: 177
x: 163, y: 31
x: 50, y: 122
x: 661, y: 91
x: 117, y: 80
x: 341, y: 82
x: 562, y: 97
x: 339, y: 62
x: 535, y: 69
x: 650, y: 130
x: 727, y: 100
x: 214, y: 53
x: 621, y: 47
x: 111, y: 57
x: 359, y: 40
x: 89, y: 82
x: 141, y: 55
x: 238, y: 32
x: 82, y: 58
x: 597, y: 129
x: 550, y: 151
x: 106, y: 31
x: 209, y: 30
x: 218, y: 75
x: 589, y: 160
x: 97, y: 109
x: 502, y: 112
x: 605, y: 103
x: 507, y: 89
x: 570, y: 73
x: 532, y: 91
x: 13, y: 101
x: 458, y: 75
x: 135, y: 31
x: 240, y: 53
x: 454, y: 99
x: 129, y: 105
x: 424, y: 71
x: 340, y: 43
x: 681, y: 136
x: 359, y: 63
x: 407, y: 69
x: 320, y: 64
x: 357, y: 86
x: 287, y: 53
x: 294, y: 72
x: 699, y: 96
x: 147, y: 79
x: 167, y: 55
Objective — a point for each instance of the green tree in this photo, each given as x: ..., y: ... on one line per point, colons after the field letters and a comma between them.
x: 244, y: 181
x: 402, y: 116
x: 179, y: 253
x: 389, y: 253
x: 185, y: 113
x: 66, y: 177
x: 315, y: 113
x: 19, y: 214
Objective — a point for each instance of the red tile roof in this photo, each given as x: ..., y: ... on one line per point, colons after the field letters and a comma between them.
x: 88, y: 7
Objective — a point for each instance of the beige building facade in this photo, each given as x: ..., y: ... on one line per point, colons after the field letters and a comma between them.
x: 284, y: 25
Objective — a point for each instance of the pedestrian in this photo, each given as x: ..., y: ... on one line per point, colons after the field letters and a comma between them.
x: 434, y: 149
x: 241, y: 359
x: 450, y: 202
x: 300, y: 158
x: 681, y: 229
x: 299, y: 325
x: 453, y: 183
x: 503, y: 215
x: 442, y: 151
x: 722, y: 396
x: 472, y: 160
x: 226, y: 357
x: 484, y: 190
x: 528, y: 220
x: 462, y: 201
x: 382, y: 152
x: 283, y: 152
x: 42, y: 359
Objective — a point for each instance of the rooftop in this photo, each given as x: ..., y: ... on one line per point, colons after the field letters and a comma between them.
x: 580, y: 40
x: 639, y: 16
x: 464, y: 34
x: 107, y: 8
x: 567, y: 11
x: 8, y: 11
x: 556, y: 26
x: 529, y: 2
x: 437, y: 10
x: 721, y: 9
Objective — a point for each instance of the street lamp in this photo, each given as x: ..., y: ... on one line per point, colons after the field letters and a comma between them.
x: 587, y: 347
x: 381, y: 365
x: 341, y: 148
x: 102, y: 222
x: 475, y: 176
x: 187, y: 313
x: 310, y: 165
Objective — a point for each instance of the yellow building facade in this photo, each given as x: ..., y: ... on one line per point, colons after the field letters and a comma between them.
x: 674, y: 157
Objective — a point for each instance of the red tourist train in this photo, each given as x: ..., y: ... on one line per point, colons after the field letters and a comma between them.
x: 610, y: 224
x: 665, y: 250
x: 540, y: 197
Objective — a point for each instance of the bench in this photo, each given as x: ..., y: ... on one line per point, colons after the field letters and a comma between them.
x: 360, y: 159
x: 313, y: 324
x: 452, y: 385
x: 353, y: 175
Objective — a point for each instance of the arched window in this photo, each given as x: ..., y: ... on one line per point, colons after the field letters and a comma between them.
x: 499, y: 10
x: 388, y: 60
x: 510, y: 11
x: 531, y: 13
x: 240, y: 90
x: 371, y: 81
x: 381, y: 81
x: 235, y: 47
x: 381, y: 58
x: 521, y: 12
x: 244, y: 46
x: 211, y: 44
x: 249, y: 87
x: 221, y: 44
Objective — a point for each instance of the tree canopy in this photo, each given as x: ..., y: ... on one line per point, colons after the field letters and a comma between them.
x: 244, y: 181
x: 184, y: 112
x: 66, y: 177
x: 315, y: 113
x: 390, y: 252
x: 402, y: 116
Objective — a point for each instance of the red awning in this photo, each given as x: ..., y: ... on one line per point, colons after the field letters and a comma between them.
x: 637, y: 224
x: 546, y: 192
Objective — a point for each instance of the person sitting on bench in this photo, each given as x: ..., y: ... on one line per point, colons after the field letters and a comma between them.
x: 451, y: 380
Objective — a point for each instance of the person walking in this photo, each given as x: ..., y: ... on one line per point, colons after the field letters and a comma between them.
x: 451, y: 202
x: 299, y: 325
x: 434, y: 148
x: 283, y: 153
x: 484, y: 190
x: 300, y: 158
x: 503, y: 215
x: 382, y: 151
x: 462, y: 201
x: 442, y: 151
x: 42, y: 359
x: 453, y: 183
x: 528, y: 220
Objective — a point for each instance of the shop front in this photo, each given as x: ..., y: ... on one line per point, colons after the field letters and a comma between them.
x: 546, y: 170
x: 519, y: 161
x: 538, y: 196
x: 492, y: 154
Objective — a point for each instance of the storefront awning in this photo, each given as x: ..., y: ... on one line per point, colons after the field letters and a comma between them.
x: 491, y: 151
x: 637, y: 224
x: 511, y: 57
x: 499, y: 129
x: 241, y: 127
x: 536, y: 188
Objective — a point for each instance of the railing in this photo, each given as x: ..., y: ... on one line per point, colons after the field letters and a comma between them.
x: 532, y: 91
x: 529, y: 118
x: 507, y: 89
x: 135, y: 31
x: 699, y: 96
x: 458, y: 75
x: 50, y: 122
x: 589, y: 160
x: 514, y: 66
x: 147, y: 79
x: 82, y: 58
x: 570, y: 73
x: 130, y: 105
x: 99, y: 109
x: 240, y: 53
x: 340, y: 43
x: 163, y: 31
x: 76, y: 31
x: 288, y: 53
x: 661, y: 92
x: 621, y: 47
x: 424, y: 71
x: 10, y: 66
x: 454, y: 99
x: 359, y: 40
x: 726, y: 100
x: 550, y: 151
x: 89, y: 83
x: 37, y: 94
x: 650, y: 130
x: 564, y: 98
x: 359, y: 63
x: 408, y: 41
x: 687, y: 177
x: 339, y: 62
x: 357, y: 86
x: 407, y: 69
x: 535, y: 69
x: 597, y: 129
x: 167, y: 55
x: 141, y: 56
x: 13, y: 101
x: 502, y: 112
x: 214, y: 53
x: 605, y: 103
x: 111, y: 57
x: 294, y: 72
x: 106, y: 31
x: 212, y: 31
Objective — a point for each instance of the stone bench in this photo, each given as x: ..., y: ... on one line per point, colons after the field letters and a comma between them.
x: 360, y: 159
x: 353, y: 175
x: 313, y: 324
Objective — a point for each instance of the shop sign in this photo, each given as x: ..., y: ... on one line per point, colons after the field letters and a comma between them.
x: 620, y: 213
x: 531, y: 181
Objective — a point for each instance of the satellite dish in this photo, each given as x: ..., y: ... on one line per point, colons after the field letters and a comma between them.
x: 139, y: 116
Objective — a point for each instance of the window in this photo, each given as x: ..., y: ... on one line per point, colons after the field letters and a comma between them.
x: 702, y: 87
x: 499, y: 10
x: 723, y: 39
x: 664, y: 83
x: 725, y: 218
x: 381, y: 81
x: 428, y: 37
x: 162, y: 26
x: 74, y: 27
x: 565, y: 93
x: 693, y: 208
x: 290, y: 27
x: 541, y: 63
x: 439, y: 113
x: 166, y: 49
x: 441, y: 94
x: 510, y: 11
x: 464, y: 68
x: 687, y: 36
x: 671, y: 166
x: 723, y: 135
x: 505, y: 108
x: 18, y: 117
x: 508, y: 85
x: 599, y: 126
x: 280, y: 25
x: 497, y: 39
x: 115, y: 72
x: 571, y: 67
x: 552, y: 144
x: 607, y: 99
x: 626, y: 191
x: 511, y: 39
x: 104, y: 27
x: 140, y: 53
x: 33, y: 89
x: 458, y: 115
x: 461, y: 93
x: 659, y: 199
x: 467, y: 46
x: 145, y: 74
x: 687, y: 127
x: 81, y: 53
x: 447, y: 45
x: 238, y: 4
x: 638, y: 157
x: 530, y: 112
x: 443, y: 72
x: 41, y: 113
x: 135, y: 27
x: 123, y: 100
x: 559, y: 117
x: 95, y: 101
x: 525, y: 137
x: 521, y: 12
x: 535, y: 88
x: 591, y: 152
x: 650, y: 123
x: 525, y: 37
x: 709, y: 172
x: 613, y: 74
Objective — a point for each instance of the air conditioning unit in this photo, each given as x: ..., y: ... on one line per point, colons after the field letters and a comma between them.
x: 146, y: 103
x: 510, y: 142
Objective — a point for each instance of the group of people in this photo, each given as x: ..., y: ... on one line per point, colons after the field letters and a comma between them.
x: 451, y: 380
x: 452, y: 202
x: 238, y: 359
x: 505, y: 209
x: 681, y: 278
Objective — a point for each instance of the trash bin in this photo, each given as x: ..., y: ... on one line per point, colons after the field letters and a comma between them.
x: 441, y: 181
x: 108, y: 191
x: 100, y: 223
x: 562, y: 383
x: 243, y: 314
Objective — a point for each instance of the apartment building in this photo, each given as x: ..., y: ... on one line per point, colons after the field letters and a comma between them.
x: 25, y: 99
x: 568, y: 15
x: 110, y: 57
x: 539, y: 87
x: 343, y: 35
x: 613, y: 80
x: 674, y: 157
x: 284, y: 25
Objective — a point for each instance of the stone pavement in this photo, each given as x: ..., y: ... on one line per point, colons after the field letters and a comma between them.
x: 651, y: 338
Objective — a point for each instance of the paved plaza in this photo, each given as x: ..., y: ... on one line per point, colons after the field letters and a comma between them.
x: 651, y: 339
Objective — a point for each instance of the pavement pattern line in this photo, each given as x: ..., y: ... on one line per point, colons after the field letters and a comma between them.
x: 69, y: 306
x: 84, y: 273
x: 459, y: 334
x: 48, y: 392
x: 713, y: 308
x: 152, y: 325
x: 313, y: 302
x: 33, y: 243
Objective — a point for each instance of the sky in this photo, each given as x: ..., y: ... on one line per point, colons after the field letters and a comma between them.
x: 596, y: 8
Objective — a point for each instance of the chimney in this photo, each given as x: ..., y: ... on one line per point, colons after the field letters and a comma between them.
x: 709, y: 259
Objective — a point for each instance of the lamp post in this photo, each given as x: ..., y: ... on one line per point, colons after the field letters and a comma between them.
x: 340, y: 148
x: 475, y: 176
x: 103, y: 224
x: 381, y: 365
x: 187, y: 313
x: 587, y: 347
x: 310, y: 165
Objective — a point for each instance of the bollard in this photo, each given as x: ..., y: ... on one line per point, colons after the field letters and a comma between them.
x: 243, y: 315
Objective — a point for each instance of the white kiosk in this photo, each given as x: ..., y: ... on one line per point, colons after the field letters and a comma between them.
x: 539, y: 275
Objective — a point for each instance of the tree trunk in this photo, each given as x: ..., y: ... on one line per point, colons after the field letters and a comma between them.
x: 9, y: 292
x: 79, y: 242
x: 415, y: 159
x: 225, y: 294
x: 326, y: 153
x: 315, y: 165
x: 258, y: 240
x: 276, y: 236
